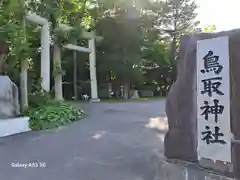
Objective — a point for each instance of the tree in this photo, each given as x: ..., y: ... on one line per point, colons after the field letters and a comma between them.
x: 14, y: 38
x: 149, y: 46
x: 19, y: 41
x: 120, y: 49
x: 61, y: 12
x: 141, y: 38
x: 177, y: 18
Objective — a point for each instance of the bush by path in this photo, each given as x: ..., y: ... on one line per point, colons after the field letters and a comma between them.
x: 46, y: 113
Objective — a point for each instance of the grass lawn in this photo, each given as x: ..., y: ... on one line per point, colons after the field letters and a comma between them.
x: 78, y: 103
x: 130, y: 100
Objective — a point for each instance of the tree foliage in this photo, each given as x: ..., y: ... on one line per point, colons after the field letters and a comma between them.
x: 209, y: 28
x: 13, y: 33
x: 121, y: 47
x: 140, y: 43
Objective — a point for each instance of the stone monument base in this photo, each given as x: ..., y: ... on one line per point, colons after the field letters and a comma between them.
x: 14, y: 126
x: 186, y: 171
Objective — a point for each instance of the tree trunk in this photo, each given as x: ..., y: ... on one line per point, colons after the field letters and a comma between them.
x: 24, y: 85
x: 2, y: 62
x: 57, y: 73
x: 173, y: 53
x: 24, y: 75
x: 173, y: 49
x: 75, y: 75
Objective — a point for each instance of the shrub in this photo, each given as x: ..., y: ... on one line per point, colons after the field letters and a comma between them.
x: 52, y: 115
x: 46, y: 113
x: 38, y: 98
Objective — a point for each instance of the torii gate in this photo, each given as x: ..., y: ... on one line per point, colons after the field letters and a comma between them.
x: 45, y: 53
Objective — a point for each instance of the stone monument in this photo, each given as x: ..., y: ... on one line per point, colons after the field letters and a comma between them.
x: 181, y: 140
x: 135, y: 94
x: 10, y: 120
x: 9, y: 102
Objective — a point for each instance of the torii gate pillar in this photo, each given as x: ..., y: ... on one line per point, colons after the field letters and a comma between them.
x: 93, y: 74
x: 45, y: 58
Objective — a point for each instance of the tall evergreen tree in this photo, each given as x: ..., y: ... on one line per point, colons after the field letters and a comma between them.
x: 177, y: 18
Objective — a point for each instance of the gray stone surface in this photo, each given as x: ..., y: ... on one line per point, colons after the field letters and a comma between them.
x: 170, y: 171
x: 181, y: 102
x: 206, y: 163
x: 9, y: 103
x: 221, y: 166
x: 117, y: 141
x: 181, y: 139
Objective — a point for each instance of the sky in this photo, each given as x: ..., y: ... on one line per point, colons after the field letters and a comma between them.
x: 224, y: 14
